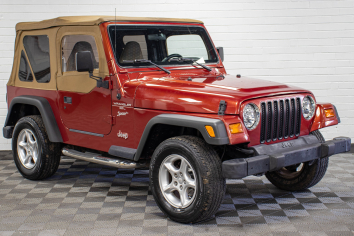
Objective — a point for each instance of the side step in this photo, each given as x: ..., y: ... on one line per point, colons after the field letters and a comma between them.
x: 97, y: 158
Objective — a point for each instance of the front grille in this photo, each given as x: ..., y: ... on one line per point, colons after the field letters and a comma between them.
x: 280, y: 119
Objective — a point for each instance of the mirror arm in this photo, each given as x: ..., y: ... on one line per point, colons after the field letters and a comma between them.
x: 100, y: 82
x: 94, y: 77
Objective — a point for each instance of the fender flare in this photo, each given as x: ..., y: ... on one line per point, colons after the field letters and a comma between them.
x: 199, y: 123
x: 46, y: 112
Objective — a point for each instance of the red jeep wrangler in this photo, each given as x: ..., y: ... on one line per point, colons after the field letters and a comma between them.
x: 153, y: 92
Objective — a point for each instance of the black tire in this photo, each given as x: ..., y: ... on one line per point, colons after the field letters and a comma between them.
x: 48, y: 153
x: 310, y: 174
x: 210, y: 185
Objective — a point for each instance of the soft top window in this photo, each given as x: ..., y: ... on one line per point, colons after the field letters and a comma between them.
x: 160, y: 44
x: 24, y: 73
x: 37, y: 49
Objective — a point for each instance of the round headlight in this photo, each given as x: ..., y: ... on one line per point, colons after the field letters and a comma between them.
x: 308, y: 107
x: 250, y: 116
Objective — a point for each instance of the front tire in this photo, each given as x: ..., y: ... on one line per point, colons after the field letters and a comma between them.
x: 302, y: 176
x: 34, y: 155
x: 186, y: 179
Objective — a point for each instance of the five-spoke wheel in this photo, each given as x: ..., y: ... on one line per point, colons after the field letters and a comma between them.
x: 301, y: 176
x: 177, y: 182
x: 186, y: 179
x: 27, y: 148
x: 35, y: 156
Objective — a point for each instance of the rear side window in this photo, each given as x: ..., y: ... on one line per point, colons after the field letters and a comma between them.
x: 37, y: 49
x: 72, y: 44
x: 25, y: 73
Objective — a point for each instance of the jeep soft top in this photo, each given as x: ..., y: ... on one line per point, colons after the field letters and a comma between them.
x: 153, y: 93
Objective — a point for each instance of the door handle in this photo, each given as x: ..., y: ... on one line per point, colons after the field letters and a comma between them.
x: 67, y: 100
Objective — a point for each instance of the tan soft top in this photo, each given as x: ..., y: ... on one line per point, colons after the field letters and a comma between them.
x: 93, y: 20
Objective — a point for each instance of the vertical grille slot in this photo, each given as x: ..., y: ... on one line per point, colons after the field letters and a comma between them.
x: 263, y: 122
x: 292, y: 117
x: 275, y: 125
x: 287, y: 115
x: 269, y: 121
x: 298, y: 120
x: 280, y: 119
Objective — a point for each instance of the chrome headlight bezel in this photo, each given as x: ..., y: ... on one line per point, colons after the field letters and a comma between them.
x: 308, y: 112
x: 246, y: 113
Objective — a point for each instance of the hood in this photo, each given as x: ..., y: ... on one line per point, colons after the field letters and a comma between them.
x: 202, y: 94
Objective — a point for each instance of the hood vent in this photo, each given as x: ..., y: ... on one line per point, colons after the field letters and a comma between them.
x: 280, y: 119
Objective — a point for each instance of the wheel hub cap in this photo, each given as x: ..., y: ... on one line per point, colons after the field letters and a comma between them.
x: 27, y: 148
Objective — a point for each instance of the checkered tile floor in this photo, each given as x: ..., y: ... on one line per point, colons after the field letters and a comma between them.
x: 89, y: 199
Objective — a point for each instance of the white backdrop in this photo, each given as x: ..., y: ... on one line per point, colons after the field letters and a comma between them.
x: 306, y: 43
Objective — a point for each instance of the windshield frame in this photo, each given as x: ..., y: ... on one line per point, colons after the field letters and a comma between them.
x: 174, y: 65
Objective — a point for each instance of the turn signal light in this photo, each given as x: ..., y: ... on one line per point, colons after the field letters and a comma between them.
x: 210, y: 131
x: 329, y: 113
x: 236, y: 128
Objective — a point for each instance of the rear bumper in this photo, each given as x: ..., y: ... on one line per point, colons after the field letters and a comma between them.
x: 275, y: 156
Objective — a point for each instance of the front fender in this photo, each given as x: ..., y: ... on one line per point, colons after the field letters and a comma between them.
x: 320, y: 121
x: 199, y: 123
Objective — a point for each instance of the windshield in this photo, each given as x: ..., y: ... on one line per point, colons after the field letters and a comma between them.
x: 160, y: 44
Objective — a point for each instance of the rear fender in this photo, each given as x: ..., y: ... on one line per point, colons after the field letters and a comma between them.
x: 45, y: 111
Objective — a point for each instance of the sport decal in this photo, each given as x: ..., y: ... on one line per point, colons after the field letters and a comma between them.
x: 124, y: 113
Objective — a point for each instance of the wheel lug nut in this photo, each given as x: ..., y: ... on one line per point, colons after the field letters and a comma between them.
x: 180, y: 187
x: 184, y: 182
x: 176, y: 175
x: 176, y: 183
x: 181, y: 174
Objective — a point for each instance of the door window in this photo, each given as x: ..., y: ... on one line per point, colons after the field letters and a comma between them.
x: 72, y: 44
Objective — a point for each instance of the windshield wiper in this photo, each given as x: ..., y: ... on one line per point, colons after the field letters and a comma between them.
x: 141, y: 61
x: 186, y: 59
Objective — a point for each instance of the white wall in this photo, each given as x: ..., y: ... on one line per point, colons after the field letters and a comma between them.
x: 301, y: 42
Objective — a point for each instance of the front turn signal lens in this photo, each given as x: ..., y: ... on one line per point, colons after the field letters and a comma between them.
x: 329, y: 113
x: 210, y: 131
x: 236, y: 128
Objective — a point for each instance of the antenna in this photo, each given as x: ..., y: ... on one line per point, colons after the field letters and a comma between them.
x: 115, y: 31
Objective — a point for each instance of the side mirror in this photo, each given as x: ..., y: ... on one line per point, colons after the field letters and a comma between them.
x: 221, y: 52
x: 84, y: 61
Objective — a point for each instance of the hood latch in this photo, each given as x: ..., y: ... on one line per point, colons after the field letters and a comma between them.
x: 222, y: 108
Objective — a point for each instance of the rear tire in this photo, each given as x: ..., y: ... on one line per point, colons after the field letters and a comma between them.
x: 186, y: 179
x: 300, y: 177
x: 34, y: 155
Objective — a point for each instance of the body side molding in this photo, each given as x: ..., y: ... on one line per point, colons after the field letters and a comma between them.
x: 46, y: 112
x: 85, y: 132
x: 199, y: 123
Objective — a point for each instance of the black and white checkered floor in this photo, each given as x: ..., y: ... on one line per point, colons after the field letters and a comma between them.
x: 89, y: 199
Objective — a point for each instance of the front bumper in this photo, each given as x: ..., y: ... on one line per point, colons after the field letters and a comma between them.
x: 275, y: 156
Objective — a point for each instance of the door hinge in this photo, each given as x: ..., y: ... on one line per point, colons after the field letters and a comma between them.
x: 111, y: 84
x: 110, y: 119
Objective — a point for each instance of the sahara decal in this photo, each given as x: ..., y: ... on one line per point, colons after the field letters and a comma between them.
x: 120, y: 134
